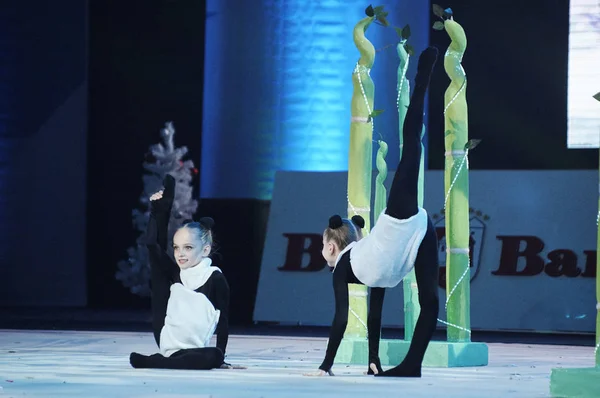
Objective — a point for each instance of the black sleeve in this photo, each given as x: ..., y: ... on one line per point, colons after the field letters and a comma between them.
x: 156, y: 233
x: 340, y: 320
x: 374, y: 324
x: 220, y: 299
x: 162, y: 228
x: 160, y: 212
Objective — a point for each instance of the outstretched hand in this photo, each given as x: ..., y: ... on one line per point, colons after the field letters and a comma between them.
x: 319, y: 373
x: 162, y: 200
x: 156, y: 196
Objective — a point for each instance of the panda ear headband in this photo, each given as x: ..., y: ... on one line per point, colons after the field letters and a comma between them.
x: 358, y: 221
x: 336, y: 222
x: 205, y: 222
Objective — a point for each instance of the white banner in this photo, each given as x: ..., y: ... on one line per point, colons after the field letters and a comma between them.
x: 533, y: 249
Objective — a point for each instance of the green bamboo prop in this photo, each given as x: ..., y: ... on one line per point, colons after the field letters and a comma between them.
x: 380, y: 190
x: 360, y: 163
x: 597, y: 350
x: 360, y: 155
x: 361, y: 127
x: 456, y: 203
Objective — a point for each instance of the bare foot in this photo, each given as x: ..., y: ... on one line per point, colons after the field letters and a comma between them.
x: 373, y: 368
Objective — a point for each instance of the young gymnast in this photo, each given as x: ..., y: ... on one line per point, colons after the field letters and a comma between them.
x: 402, y: 238
x: 190, y: 298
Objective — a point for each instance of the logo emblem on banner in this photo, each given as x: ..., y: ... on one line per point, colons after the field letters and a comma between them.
x: 477, y: 220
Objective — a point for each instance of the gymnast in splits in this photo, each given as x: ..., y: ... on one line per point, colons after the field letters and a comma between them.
x: 402, y: 238
x: 190, y: 298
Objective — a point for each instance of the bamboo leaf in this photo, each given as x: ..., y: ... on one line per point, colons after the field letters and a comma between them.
x: 438, y: 11
x: 438, y: 25
x: 597, y: 96
x: 405, y: 32
x: 369, y: 11
x: 409, y: 49
x: 376, y: 113
x: 472, y: 144
x: 383, y: 21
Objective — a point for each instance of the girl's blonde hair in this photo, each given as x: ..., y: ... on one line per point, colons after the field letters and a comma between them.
x: 203, y: 230
x: 343, y: 231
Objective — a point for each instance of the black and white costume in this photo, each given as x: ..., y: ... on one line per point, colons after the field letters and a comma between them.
x: 191, y: 318
x: 402, y: 238
x: 188, y: 305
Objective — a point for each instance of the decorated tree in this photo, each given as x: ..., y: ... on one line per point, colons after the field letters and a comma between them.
x: 162, y: 159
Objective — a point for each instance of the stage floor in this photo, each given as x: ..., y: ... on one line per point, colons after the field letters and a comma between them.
x: 96, y: 364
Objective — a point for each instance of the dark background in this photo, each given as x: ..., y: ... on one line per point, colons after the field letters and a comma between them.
x: 516, y: 65
x: 145, y: 64
x: 145, y: 67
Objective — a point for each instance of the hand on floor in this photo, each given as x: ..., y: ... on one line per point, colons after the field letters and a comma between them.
x: 319, y: 373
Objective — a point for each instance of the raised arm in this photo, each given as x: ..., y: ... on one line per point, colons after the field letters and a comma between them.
x: 157, y: 230
x: 160, y: 211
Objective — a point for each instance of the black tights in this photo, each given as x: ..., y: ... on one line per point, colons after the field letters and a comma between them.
x: 403, y: 204
x: 163, y: 272
x: 403, y: 198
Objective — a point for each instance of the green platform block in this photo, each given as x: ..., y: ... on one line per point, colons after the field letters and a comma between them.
x: 575, y: 383
x: 439, y: 354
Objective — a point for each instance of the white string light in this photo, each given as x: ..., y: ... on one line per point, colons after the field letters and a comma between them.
x: 457, y: 251
x: 361, y: 119
x: 464, y: 161
x: 359, y: 294
x: 360, y: 320
x: 358, y: 69
x: 455, y: 326
x: 402, y: 83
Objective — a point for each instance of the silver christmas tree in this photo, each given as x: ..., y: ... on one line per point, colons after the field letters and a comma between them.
x: 134, y: 272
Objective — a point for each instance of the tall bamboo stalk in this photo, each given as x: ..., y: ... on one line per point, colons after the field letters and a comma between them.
x: 360, y: 160
x: 457, y: 188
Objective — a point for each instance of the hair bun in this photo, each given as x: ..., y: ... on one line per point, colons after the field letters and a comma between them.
x: 207, y: 222
x: 335, y: 222
x: 358, y: 221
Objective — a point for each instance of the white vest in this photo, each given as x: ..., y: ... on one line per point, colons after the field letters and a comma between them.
x: 191, y: 318
x: 388, y: 253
